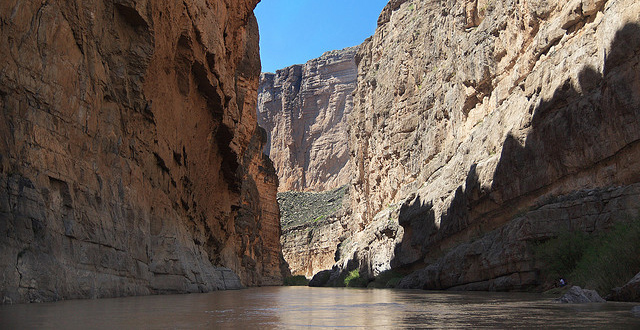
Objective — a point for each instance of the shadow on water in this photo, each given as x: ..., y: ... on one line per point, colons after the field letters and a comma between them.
x: 586, y: 135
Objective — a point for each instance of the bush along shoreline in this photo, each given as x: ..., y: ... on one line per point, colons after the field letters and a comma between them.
x: 603, y: 261
x: 599, y: 261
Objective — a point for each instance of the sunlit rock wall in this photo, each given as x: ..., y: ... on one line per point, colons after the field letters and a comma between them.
x: 130, y: 159
x: 304, y: 109
x: 495, y: 122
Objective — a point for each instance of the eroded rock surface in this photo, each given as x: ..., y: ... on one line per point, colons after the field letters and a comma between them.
x: 304, y: 109
x: 313, y: 223
x: 130, y: 159
x: 577, y: 295
x: 494, y: 124
x: 629, y: 292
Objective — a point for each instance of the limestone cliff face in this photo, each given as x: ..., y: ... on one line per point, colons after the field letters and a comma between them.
x: 485, y: 126
x: 130, y: 159
x: 304, y: 109
x: 313, y: 223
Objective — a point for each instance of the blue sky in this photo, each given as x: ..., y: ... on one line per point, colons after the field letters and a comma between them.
x: 295, y: 31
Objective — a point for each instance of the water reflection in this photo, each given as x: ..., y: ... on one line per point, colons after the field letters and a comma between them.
x: 292, y: 308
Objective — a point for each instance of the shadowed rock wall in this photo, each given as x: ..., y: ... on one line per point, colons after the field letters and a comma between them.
x: 130, y: 159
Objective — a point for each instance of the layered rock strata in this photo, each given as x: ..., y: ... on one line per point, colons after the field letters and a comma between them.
x: 577, y: 295
x: 130, y: 158
x: 312, y: 225
x: 485, y: 122
x: 304, y: 109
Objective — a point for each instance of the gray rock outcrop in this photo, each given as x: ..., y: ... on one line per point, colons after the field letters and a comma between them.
x: 577, y: 295
x: 629, y: 292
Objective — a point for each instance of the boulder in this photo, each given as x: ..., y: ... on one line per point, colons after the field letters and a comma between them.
x: 636, y: 311
x: 578, y: 295
x: 321, y: 278
x: 629, y: 292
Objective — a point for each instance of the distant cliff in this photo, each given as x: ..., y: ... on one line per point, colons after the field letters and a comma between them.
x: 130, y: 158
x: 482, y: 128
x: 313, y: 223
x: 304, y: 109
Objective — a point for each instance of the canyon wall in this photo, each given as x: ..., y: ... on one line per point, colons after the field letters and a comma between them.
x: 130, y: 158
x: 312, y: 225
x: 304, y: 109
x: 483, y: 127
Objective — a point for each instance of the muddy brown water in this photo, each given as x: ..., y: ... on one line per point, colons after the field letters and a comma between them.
x: 302, y: 307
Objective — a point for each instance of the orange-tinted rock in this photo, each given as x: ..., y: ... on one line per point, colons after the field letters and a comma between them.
x: 130, y: 159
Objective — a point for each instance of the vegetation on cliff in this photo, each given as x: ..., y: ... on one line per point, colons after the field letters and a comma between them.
x: 600, y: 261
x: 298, y: 280
x: 298, y: 208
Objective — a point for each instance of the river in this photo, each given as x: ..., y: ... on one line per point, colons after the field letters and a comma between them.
x: 302, y: 307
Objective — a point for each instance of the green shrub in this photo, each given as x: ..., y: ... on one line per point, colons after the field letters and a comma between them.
x: 298, y: 280
x: 386, y: 279
x: 600, y: 262
x: 612, y: 260
x: 562, y: 254
x: 319, y: 218
x: 353, y: 280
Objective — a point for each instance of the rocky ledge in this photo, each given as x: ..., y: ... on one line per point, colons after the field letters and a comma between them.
x: 312, y: 223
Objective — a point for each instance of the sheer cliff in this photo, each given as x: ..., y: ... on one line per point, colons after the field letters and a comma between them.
x: 130, y: 158
x: 483, y: 127
x: 304, y: 109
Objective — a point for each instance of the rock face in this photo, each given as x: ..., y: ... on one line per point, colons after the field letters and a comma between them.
x: 312, y: 225
x: 493, y: 125
x: 130, y: 159
x: 629, y: 292
x: 304, y: 109
x: 503, y: 259
x: 577, y: 295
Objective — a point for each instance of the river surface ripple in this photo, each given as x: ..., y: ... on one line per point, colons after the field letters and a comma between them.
x: 302, y: 307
